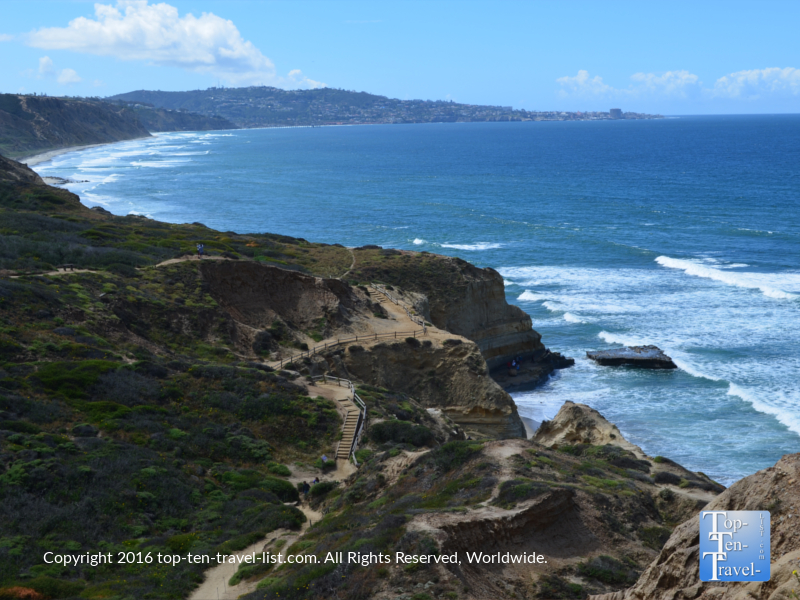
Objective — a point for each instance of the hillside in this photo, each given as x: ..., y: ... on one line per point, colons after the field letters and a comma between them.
x: 154, y: 402
x: 268, y: 106
x: 31, y: 124
x: 162, y: 119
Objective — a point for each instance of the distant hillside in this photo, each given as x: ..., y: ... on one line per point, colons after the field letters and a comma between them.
x: 30, y: 124
x: 269, y: 107
x: 165, y: 119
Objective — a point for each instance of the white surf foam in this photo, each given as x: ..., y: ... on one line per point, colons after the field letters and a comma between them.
x: 571, y: 318
x: 618, y: 338
x: 529, y: 296
x: 419, y: 241
x: 475, y: 246
x: 765, y: 282
x: 786, y: 412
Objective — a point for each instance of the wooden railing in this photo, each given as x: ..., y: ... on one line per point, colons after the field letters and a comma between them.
x: 357, y: 338
x: 362, y: 415
x: 416, y: 318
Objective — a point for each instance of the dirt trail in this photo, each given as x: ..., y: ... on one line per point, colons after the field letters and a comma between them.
x: 216, y: 585
x: 172, y: 261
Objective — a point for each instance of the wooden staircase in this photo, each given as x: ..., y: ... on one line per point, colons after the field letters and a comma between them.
x: 348, y: 433
x: 376, y: 296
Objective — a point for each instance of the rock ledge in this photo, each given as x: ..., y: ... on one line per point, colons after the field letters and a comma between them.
x: 646, y: 357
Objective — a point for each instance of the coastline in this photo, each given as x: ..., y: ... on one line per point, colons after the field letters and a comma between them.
x: 36, y: 159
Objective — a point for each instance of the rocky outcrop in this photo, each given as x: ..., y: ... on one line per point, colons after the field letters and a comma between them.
x: 258, y: 295
x: 581, y: 424
x: 461, y: 298
x: 36, y: 123
x: 578, y: 424
x: 645, y: 357
x: 452, y: 378
x: 674, y: 574
x: 13, y: 172
x: 22, y: 189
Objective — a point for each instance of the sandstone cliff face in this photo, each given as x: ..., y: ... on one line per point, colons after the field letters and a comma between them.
x: 674, y: 574
x: 458, y: 297
x: 447, y: 374
x: 482, y: 314
x: 257, y: 295
x: 581, y: 424
x: 452, y: 378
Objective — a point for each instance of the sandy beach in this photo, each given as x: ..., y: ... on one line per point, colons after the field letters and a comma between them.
x: 530, y: 426
x: 36, y: 159
x: 50, y: 154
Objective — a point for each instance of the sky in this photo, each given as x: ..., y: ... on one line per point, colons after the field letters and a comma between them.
x: 672, y: 58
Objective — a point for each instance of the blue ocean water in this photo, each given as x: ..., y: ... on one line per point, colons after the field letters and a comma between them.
x: 683, y: 233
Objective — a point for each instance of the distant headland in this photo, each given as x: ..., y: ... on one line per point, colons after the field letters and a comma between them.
x: 271, y: 107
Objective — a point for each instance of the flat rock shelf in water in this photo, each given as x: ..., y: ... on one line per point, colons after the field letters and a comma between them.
x: 646, y: 357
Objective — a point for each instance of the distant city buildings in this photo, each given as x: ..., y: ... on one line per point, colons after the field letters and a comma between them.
x: 271, y: 107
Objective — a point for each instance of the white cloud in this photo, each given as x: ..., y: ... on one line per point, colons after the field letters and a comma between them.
x: 136, y: 30
x: 68, y: 76
x: 742, y: 85
x: 47, y: 70
x: 6, y: 37
x: 584, y: 85
x: 757, y: 82
x: 669, y: 83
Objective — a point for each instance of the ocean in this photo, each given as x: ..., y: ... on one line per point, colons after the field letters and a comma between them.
x: 681, y: 232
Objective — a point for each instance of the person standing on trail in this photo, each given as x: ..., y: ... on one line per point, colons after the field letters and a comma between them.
x: 200, y: 248
x: 306, y: 489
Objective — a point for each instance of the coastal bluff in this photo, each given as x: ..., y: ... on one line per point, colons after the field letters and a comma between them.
x: 463, y: 299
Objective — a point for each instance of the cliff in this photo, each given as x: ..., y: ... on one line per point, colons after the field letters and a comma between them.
x: 674, y: 574
x: 151, y: 379
x: 457, y: 297
x: 440, y: 370
x: 30, y: 124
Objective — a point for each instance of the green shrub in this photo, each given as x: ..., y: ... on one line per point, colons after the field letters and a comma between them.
x: 654, y: 537
x: 243, y: 480
x: 363, y: 455
x: 182, y: 542
x: 401, y: 432
x: 279, y: 469
x: 73, y: 378
x: 323, y: 488
x: 518, y: 490
x: 281, y: 488
x: 20, y: 427
x: 454, y: 454
x: 55, y: 588
x: 246, y: 571
x: 608, y: 570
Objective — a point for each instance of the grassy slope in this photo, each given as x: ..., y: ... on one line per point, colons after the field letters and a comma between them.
x: 189, y: 436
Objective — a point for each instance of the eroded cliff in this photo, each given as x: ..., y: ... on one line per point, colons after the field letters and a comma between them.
x: 674, y: 574
x: 458, y: 297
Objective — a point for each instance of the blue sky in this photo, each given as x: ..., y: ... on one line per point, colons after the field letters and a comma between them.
x: 667, y: 57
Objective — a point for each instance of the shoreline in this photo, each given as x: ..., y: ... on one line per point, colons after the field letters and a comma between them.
x: 36, y: 159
